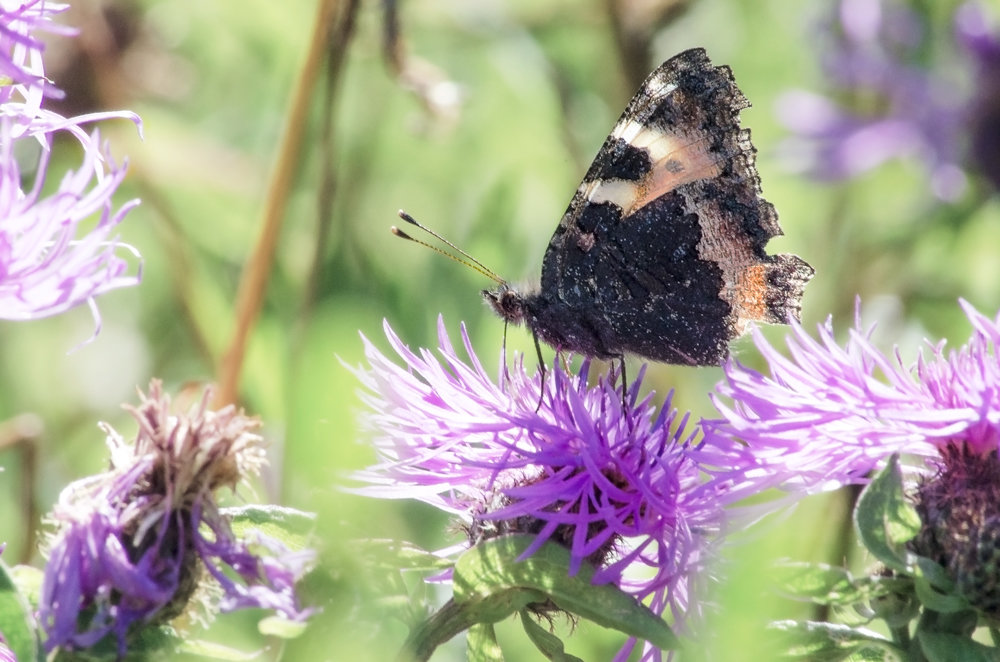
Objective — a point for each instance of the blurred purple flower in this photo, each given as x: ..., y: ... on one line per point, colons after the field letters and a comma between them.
x: 615, y: 486
x: 983, y: 44
x: 891, y: 100
x: 21, y: 50
x: 829, y: 414
x: 131, y: 545
x: 53, y: 254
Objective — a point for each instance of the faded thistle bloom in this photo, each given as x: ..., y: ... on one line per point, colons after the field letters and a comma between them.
x: 132, y: 545
x: 614, y: 485
x: 899, y: 90
x: 57, y: 245
x: 829, y: 414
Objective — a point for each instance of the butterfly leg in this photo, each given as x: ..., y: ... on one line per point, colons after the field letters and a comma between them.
x: 621, y: 371
x: 541, y: 367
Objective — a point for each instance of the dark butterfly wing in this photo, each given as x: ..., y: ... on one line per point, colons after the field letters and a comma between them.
x: 661, y: 251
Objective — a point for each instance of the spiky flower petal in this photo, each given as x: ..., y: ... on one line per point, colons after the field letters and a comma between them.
x: 57, y: 248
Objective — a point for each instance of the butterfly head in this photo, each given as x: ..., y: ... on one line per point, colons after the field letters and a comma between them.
x: 506, y: 302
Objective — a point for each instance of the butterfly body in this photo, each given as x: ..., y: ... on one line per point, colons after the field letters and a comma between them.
x: 661, y: 251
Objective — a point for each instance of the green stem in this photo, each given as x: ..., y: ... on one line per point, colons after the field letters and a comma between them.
x: 901, y: 636
x: 448, y: 621
x: 456, y: 617
x: 257, y: 270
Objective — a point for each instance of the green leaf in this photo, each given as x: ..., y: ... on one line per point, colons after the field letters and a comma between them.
x: 493, y: 567
x: 819, y: 583
x: 394, y: 555
x: 28, y: 580
x: 945, y: 647
x: 829, y: 642
x: 288, y: 525
x: 283, y: 628
x: 16, y: 622
x: 215, y: 651
x: 455, y: 617
x: 896, y: 604
x: 481, y: 644
x: 935, y: 575
x: 935, y: 600
x: 150, y: 642
x: 889, y: 598
x: 550, y: 645
x: 885, y: 520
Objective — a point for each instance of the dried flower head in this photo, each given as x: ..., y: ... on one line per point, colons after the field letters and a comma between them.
x: 132, y: 545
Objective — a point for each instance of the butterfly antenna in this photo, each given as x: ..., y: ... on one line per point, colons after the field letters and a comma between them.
x: 469, y: 261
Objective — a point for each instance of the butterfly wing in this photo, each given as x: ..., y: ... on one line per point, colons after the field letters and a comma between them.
x: 661, y: 251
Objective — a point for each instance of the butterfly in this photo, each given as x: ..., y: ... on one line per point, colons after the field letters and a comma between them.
x: 661, y: 251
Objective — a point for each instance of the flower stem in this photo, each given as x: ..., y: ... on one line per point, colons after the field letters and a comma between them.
x: 448, y: 621
x: 257, y: 270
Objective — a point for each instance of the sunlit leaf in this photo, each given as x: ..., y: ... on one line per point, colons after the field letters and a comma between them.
x: 16, y: 621
x: 829, y: 642
x: 493, y: 567
x: 885, y: 520
x: 481, y: 644
x: 290, y: 526
x: 547, y: 643
x: 945, y: 647
x: 283, y: 628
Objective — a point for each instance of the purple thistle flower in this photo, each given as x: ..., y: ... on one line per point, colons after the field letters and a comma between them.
x: 902, y: 108
x: 131, y: 544
x: 828, y: 415
x: 54, y: 254
x: 616, y: 486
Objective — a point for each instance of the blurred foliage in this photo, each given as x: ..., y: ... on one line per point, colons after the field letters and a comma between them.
x: 512, y: 100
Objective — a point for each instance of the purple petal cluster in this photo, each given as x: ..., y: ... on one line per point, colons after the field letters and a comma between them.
x: 21, y: 48
x: 132, y: 545
x: 57, y: 244
x: 828, y: 414
x: 615, y: 484
x: 890, y: 99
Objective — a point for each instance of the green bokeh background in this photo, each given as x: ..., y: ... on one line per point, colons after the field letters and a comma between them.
x: 540, y: 84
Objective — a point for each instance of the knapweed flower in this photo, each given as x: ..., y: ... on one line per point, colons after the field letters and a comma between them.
x: 613, y: 483
x: 897, y: 93
x: 829, y: 414
x: 57, y: 248
x: 132, y: 545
